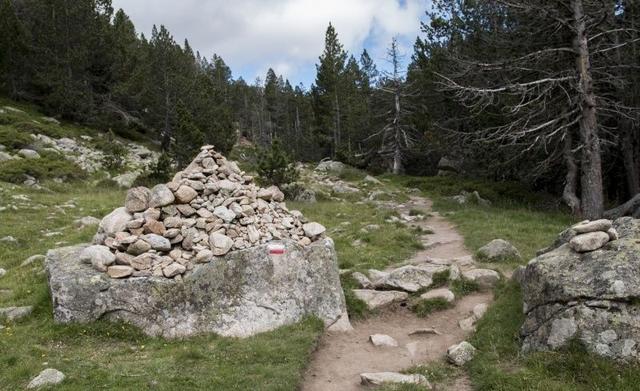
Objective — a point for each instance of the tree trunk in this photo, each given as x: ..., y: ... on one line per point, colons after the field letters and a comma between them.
x: 571, y: 182
x: 628, y: 146
x: 336, y: 134
x: 397, y: 154
x: 591, y: 165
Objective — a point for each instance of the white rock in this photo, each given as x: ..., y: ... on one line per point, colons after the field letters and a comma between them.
x: 362, y: 280
x: 220, y: 244
x: 440, y: 293
x: 161, y: 196
x: 382, y: 378
x: 32, y: 259
x: 589, y: 242
x: 224, y: 213
x: 461, y: 353
x: 377, y: 299
x: 115, y: 221
x: 313, y: 230
x: 2, y: 272
x: 47, y: 377
x: 592, y: 226
x: 479, y: 310
x: 99, y: 256
x: 382, y: 340
x: 486, y: 278
x: 86, y: 221
x: 29, y: 154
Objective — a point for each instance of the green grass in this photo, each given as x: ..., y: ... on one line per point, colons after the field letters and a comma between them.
x: 425, y: 307
x: 117, y: 356
x: 463, y: 287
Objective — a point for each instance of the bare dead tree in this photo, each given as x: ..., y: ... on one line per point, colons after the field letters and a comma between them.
x: 559, y: 87
x: 397, y: 136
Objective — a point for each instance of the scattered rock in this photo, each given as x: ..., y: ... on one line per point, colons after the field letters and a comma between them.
x: 426, y: 331
x: 330, y: 165
x: 362, y: 280
x: 440, y: 293
x: 48, y: 377
x: 373, y: 180
x: 461, y: 353
x: 87, y: 221
x: 2, y: 272
x: 9, y: 239
x: 485, y: 278
x: 313, y: 230
x: 407, y: 278
x: 498, y: 250
x: 99, y: 256
x: 32, y: 259
x: 382, y: 378
x: 15, y: 313
x: 378, y: 299
x: 479, y: 310
x: 382, y: 340
x: 470, y: 198
x: 29, y: 154
x: 468, y: 324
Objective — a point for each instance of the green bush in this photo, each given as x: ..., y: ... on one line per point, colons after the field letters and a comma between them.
x: 425, y: 307
x: 275, y: 166
x: 50, y: 165
x: 160, y: 173
x: 114, y: 152
x: 13, y: 139
x: 38, y: 128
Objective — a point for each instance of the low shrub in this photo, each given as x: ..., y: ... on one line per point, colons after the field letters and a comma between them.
x: 49, y: 166
x: 14, y: 139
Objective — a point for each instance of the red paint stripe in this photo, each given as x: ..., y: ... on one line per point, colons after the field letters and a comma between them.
x: 278, y: 251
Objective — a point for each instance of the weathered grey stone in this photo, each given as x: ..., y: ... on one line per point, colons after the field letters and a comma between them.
x: 157, y: 242
x: 29, y: 154
x: 220, y: 244
x: 247, y: 292
x: 224, y: 213
x: 137, y: 199
x: 588, y: 297
x: 591, y: 241
x: 87, y: 221
x: 99, y: 256
x: 461, y: 353
x: 378, y: 299
x: 485, y: 278
x: 407, y: 278
x: 2, y: 272
x: 479, y: 310
x: 382, y: 378
x: 115, y: 221
x: 139, y: 247
x: 32, y: 259
x: 173, y: 270
x: 47, y: 377
x: 440, y: 293
x: 185, y: 194
x: 313, y: 230
x: 592, y: 226
x: 161, y: 196
x: 382, y: 340
x: 15, y: 313
x: 119, y: 271
x: 362, y: 280
x: 498, y: 250
x: 331, y: 165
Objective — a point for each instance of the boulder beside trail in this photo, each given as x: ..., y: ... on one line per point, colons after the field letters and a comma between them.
x: 590, y: 297
x: 498, y: 250
x: 243, y: 293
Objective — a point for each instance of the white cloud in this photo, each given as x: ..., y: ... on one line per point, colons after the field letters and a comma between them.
x: 288, y: 35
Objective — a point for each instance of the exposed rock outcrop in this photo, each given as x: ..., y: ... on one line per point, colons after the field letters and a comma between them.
x: 589, y: 296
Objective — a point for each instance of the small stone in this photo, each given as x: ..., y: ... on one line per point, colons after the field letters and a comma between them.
x: 48, y: 377
x: 139, y: 247
x: 382, y: 378
x: 584, y: 227
x: 589, y: 242
x: 99, y: 256
x: 224, y: 213
x: 155, y: 227
x: 15, y: 313
x: 362, y: 280
x: 440, y: 293
x: 613, y: 234
x: 498, y: 250
x: 479, y: 310
x: 157, y: 242
x: 313, y: 230
x: 2, y: 272
x: 185, y: 194
x: 29, y: 154
x: 33, y: 259
x: 173, y: 270
x: 137, y: 199
x: 119, y: 271
x: 142, y: 262
x: 468, y: 324
x: 382, y: 340
x: 87, y: 221
x: 204, y: 256
x: 377, y: 299
x: 161, y: 196
x: 461, y: 353
x: 485, y: 278
x: 123, y: 259
x: 220, y: 244
x: 426, y: 331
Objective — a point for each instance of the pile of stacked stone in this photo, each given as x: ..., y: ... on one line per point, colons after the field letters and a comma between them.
x: 206, y: 211
x: 591, y: 235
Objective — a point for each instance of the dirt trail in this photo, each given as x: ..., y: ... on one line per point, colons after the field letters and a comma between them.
x: 342, y: 357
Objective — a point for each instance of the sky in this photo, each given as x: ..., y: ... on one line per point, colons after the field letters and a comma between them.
x: 286, y: 35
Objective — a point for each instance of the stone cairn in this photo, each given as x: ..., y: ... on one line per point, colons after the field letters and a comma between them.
x: 206, y: 211
x: 591, y: 235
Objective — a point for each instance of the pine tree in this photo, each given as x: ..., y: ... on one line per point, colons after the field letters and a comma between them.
x: 327, y: 93
x: 13, y: 49
x: 188, y: 138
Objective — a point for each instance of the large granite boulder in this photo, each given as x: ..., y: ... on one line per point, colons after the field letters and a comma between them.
x: 591, y: 297
x: 243, y: 293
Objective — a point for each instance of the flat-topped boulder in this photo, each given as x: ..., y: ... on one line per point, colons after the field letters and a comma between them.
x: 589, y: 296
x: 243, y: 293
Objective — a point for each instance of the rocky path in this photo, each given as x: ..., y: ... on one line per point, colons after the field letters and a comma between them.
x: 342, y: 357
